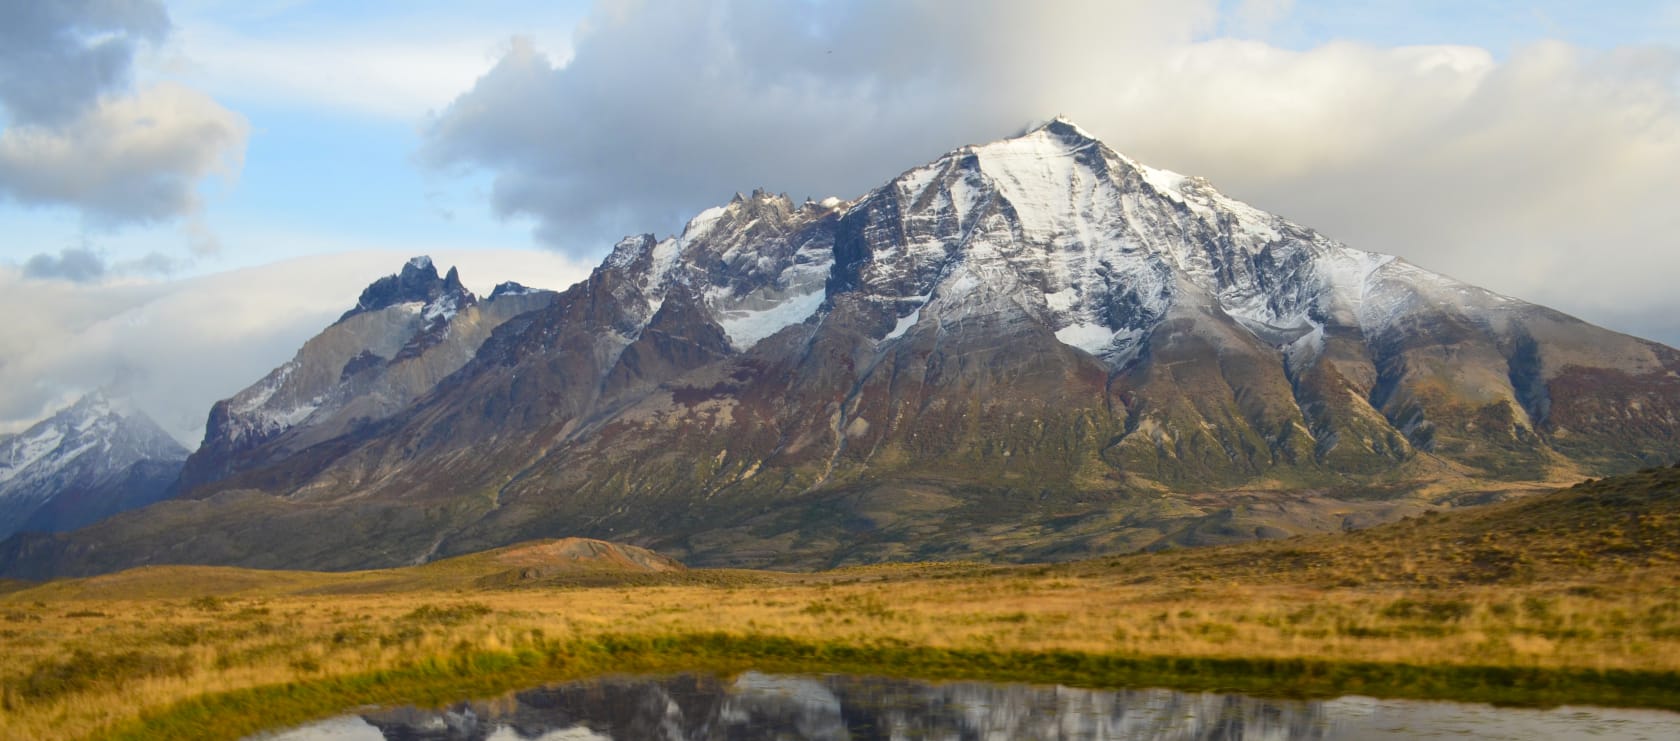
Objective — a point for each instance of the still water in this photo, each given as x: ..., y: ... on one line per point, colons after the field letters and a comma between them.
x: 830, y: 708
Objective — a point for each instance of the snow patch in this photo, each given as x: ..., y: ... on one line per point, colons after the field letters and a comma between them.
x: 904, y: 324
x: 1165, y: 182
x: 1061, y: 301
x: 664, y: 258
x: 746, y: 327
x: 257, y: 396
x: 701, y: 225
x: 445, y: 308
x: 290, y: 418
x: 912, y: 183
x: 1039, y: 174
x: 625, y: 253
x: 964, y: 198
x: 909, y: 320
x: 1301, y: 353
x: 27, y: 449
x: 1092, y: 338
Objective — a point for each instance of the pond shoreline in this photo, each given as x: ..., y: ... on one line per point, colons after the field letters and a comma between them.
x: 436, y: 682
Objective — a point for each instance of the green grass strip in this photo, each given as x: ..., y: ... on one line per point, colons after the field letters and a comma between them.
x: 438, y: 682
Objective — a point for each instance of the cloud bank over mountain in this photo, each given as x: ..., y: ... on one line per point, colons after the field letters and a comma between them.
x: 1506, y: 171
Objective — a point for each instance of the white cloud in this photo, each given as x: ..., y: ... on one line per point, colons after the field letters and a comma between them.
x: 176, y: 347
x: 1548, y: 174
x: 667, y: 108
x: 383, y: 76
x: 137, y: 158
x: 75, y: 134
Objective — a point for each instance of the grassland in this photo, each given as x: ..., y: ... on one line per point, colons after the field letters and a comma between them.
x: 1566, y: 597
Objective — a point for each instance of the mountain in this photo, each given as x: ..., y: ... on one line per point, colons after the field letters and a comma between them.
x: 1036, y: 348
x: 83, y: 464
x: 407, y: 332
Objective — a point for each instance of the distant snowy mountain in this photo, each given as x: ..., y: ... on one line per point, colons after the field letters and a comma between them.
x: 1033, y: 348
x: 85, y: 463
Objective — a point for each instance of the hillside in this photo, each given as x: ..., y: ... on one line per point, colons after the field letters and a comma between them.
x: 1602, y: 530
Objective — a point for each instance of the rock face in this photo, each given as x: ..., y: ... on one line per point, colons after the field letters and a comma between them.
x: 407, y: 333
x: 1034, y: 348
x: 83, y: 464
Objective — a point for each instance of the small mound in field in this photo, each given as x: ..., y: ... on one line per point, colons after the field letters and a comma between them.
x: 552, y: 557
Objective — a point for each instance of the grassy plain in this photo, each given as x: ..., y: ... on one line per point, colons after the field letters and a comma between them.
x: 1566, y: 597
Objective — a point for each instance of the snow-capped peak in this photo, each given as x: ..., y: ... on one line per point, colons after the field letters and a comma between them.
x: 1064, y: 127
x: 1100, y: 247
x: 93, y: 424
x: 92, y: 405
x: 1051, y: 222
x: 92, y: 448
x: 417, y: 282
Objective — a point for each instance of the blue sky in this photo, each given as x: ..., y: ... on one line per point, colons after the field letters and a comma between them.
x: 1497, y: 25
x: 1526, y: 146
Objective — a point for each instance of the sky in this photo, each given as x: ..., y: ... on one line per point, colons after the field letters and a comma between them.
x: 191, y: 188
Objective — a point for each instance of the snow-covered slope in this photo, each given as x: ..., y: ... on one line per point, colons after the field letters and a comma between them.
x: 756, y: 263
x: 1101, y: 248
x: 83, y: 455
x: 1095, y: 245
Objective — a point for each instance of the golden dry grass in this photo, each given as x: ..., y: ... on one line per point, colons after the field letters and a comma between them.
x: 1542, y: 584
x: 209, y: 646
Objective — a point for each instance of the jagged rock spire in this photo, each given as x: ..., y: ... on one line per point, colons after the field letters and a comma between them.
x: 418, y: 281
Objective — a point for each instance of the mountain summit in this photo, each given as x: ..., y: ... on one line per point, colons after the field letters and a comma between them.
x: 416, y: 283
x: 90, y: 460
x: 1032, y: 348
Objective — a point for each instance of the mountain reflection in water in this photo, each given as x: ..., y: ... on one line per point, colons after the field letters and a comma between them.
x: 831, y: 708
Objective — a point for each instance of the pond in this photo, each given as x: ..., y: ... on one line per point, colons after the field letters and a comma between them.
x: 776, y: 707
